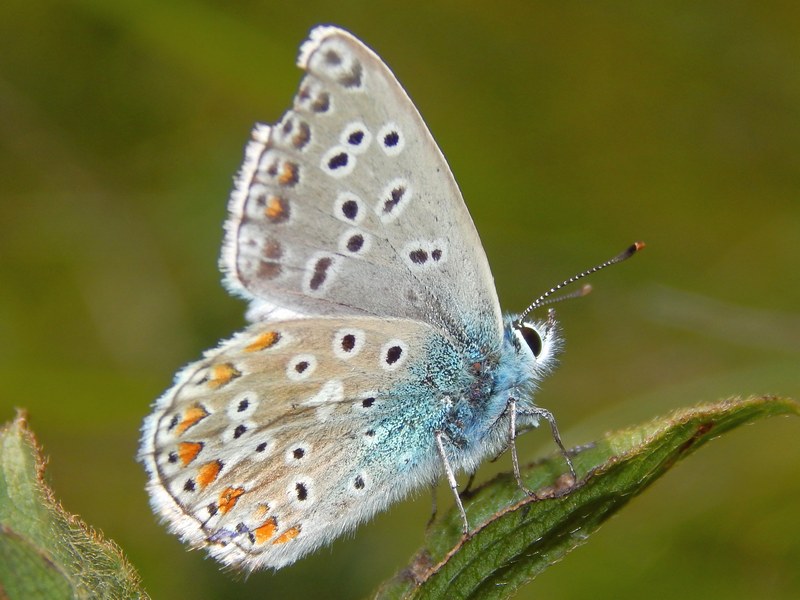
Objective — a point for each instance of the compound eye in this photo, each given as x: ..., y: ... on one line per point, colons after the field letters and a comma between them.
x: 532, y: 338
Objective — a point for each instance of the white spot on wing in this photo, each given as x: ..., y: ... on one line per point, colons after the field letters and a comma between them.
x: 391, y: 139
x: 242, y: 406
x: 301, y: 491
x: 238, y: 432
x: 301, y: 367
x: 355, y: 242
x: 393, y: 200
x: 347, y: 343
x: 297, y: 453
x: 262, y: 446
x: 394, y: 354
x: 424, y: 254
x: 356, y: 137
x: 331, y: 392
x: 338, y: 162
x: 367, y: 401
x: 347, y: 203
x: 359, y: 483
x: 320, y: 271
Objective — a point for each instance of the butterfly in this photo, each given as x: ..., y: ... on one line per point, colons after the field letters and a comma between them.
x: 377, y: 358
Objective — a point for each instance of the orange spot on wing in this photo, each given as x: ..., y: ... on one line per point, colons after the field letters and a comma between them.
x: 275, y: 209
x: 228, y: 498
x: 192, y: 416
x: 287, y: 535
x: 264, y: 341
x: 288, y: 174
x: 208, y: 473
x: 188, y: 451
x: 266, y: 531
x: 223, y: 374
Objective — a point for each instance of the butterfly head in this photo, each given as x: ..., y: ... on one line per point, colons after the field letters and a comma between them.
x: 534, y: 343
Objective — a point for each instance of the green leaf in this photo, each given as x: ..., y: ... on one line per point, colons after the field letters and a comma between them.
x: 44, y: 551
x: 516, y: 537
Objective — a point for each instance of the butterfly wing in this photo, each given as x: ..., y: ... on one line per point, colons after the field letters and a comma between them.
x: 347, y: 206
x: 293, y: 432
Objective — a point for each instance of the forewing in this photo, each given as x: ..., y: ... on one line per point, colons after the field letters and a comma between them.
x: 347, y: 206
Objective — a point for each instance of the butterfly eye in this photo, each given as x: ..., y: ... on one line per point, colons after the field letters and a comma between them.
x: 532, y: 338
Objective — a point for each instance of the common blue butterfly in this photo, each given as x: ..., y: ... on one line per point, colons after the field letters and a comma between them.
x: 376, y: 359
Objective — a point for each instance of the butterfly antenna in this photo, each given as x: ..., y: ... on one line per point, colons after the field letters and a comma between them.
x: 545, y: 299
x: 585, y: 290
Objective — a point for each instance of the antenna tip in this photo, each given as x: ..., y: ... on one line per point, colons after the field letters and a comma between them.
x: 628, y: 252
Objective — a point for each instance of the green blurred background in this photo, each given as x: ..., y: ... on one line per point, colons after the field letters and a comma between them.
x: 572, y: 129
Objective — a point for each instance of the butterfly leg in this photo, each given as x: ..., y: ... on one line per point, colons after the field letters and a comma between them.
x: 548, y: 416
x: 468, y: 488
x: 451, y: 478
x: 434, y: 509
x: 542, y: 414
x: 512, y: 441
